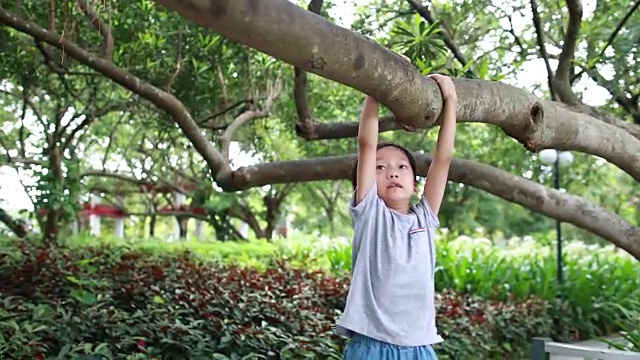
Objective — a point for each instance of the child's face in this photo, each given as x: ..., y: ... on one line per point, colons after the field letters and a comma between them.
x: 396, y: 182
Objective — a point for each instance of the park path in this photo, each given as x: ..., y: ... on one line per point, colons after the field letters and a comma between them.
x: 594, y: 344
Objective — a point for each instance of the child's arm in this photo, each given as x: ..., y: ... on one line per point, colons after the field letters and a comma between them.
x: 367, y: 143
x: 439, y: 169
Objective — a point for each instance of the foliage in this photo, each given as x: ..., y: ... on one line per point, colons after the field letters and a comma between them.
x: 216, y: 79
x: 630, y: 331
x: 126, y: 303
x: 255, y: 253
x: 594, y: 276
x: 119, y: 302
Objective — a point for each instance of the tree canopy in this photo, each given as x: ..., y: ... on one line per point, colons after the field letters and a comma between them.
x: 113, y: 98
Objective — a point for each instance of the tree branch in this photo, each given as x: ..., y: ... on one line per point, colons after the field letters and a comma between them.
x: 305, y: 117
x: 273, y: 89
x: 158, y: 97
x: 176, y: 72
x: 12, y: 224
x: 287, y: 32
x: 207, y: 122
x: 550, y: 202
x: 315, y: 130
x: 516, y: 38
x: 89, y: 118
x: 449, y: 41
x: 170, y: 213
x: 105, y: 30
x: 562, y: 80
x: 541, y: 46
x: 612, y: 36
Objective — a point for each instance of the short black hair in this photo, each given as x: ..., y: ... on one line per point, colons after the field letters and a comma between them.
x: 412, y: 161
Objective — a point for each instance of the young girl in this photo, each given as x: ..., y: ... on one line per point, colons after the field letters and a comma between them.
x: 390, y: 312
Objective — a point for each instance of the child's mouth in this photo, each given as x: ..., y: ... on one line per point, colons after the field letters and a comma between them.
x: 394, y: 185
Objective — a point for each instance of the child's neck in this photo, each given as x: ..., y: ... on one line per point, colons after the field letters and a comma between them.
x: 401, y: 207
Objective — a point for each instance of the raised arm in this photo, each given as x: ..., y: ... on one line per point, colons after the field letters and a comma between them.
x: 439, y: 169
x: 367, y: 143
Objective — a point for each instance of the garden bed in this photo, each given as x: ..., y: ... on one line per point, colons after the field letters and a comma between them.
x: 129, y: 304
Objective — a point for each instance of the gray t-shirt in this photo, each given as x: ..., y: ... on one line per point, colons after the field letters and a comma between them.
x: 392, y: 282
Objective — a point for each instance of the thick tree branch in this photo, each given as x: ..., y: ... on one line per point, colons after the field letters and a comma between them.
x: 116, y: 176
x: 156, y: 96
x: 23, y: 160
x: 565, y: 207
x: 562, y: 79
x: 303, y: 39
x: 315, y: 130
x: 140, y: 185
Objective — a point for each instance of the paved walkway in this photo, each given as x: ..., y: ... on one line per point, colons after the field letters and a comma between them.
x: 594, y: 344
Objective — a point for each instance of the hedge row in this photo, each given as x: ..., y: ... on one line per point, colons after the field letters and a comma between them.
x: 59, y: 303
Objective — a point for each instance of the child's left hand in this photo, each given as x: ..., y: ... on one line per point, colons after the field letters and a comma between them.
x: 447, y: 87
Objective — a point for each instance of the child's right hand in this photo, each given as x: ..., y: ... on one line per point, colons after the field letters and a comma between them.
x: 447, y: 87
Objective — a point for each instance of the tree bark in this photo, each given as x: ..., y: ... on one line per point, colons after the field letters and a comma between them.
x: 287, y: 32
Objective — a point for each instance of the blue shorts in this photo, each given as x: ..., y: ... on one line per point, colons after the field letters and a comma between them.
x: 361, y: 347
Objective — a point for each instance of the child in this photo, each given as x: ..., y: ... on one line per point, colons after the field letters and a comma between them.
x: 390, y: 312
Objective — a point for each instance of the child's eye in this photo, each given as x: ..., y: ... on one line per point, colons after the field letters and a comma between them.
x: 379, y: 167
x: 403, y: 166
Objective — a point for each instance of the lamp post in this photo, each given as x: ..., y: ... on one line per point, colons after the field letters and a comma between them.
x: 558, y: 159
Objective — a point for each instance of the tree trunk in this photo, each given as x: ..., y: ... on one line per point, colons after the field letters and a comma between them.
x: 182, y: 225
x: 272, y: 204
x: 152, y: 225
x: 57, y: 183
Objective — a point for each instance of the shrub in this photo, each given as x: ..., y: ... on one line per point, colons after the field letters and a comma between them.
x: 521, y: 268
x: 128, y: 303
x: 255, y: 252
x: 61, y: 301
x: 488, y: 329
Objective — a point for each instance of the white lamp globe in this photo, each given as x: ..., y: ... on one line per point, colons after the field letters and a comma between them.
x: 565, y: 158
x: 548, y: 156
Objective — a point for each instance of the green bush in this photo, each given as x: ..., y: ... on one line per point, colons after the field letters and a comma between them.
x: 521, y: 268
x: 126, y: 304
x: 255, y: 253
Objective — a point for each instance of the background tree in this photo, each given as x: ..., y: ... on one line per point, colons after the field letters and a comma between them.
x: 210, y: 89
